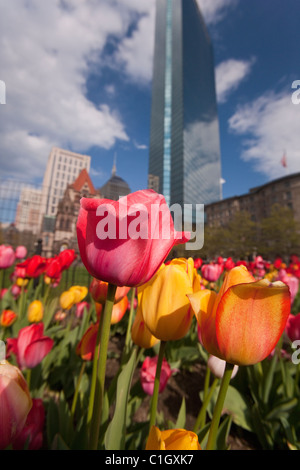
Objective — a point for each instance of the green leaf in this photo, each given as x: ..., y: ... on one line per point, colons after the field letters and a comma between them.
x: 223, y: 433
x: 115, y: 434
x: 180, y: 423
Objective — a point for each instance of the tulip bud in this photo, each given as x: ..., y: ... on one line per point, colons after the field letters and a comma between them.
x: 15, y: 402
x: 7, y: 318
x: 217, y: 366
x: 35, y: 311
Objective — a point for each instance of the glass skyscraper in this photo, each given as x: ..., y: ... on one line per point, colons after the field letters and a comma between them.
x: 184, y: 159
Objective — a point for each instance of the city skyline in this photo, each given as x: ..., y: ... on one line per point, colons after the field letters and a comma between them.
x: 87, y: 88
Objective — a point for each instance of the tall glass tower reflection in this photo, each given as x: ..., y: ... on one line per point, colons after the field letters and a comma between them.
x: 184, y: 160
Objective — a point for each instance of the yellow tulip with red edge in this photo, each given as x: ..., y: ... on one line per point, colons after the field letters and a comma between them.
x: 243, y: 322
x: 163, y: 300
x: 172, y: 439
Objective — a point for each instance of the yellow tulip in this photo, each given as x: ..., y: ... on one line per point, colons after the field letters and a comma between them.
x: 35, y: 311
x: 79, y: 292
x: 67, y: 300
x: 140, y: 334
x: 172, y: 439
x: 163, y: 300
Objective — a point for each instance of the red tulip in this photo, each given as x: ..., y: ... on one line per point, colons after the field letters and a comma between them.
x: 7, y: 256
x: 66, y: 258
x: 292, y: 328
x: 31, y: 346
x: 33, y: 266
x: 54, y: 268
x: 32, y: 432
x: 124, y: 242
x: 148, y: 371
x: 229, y: 264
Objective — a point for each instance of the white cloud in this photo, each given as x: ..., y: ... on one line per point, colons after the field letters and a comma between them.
x: 269, y: 126
x: 229, y: 75
x: 46, y: 51
x: 215, y: 10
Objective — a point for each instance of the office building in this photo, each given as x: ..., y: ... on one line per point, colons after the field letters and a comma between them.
x: 62, y: 169
x: 28, y: 210
x: 257, y: 202
x: 184, y: 157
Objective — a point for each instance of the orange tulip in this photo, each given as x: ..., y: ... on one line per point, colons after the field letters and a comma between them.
x: 98, y: 291
x: 86, y: 346
x: 7, y: 318
x: 118, y: 311
x: 244, y: 321
x: 172, y: 439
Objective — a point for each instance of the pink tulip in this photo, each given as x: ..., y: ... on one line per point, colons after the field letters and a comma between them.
x: 7, y: 256
x: 148, y: 371
x: 212, y: 272
x: 30, y: 347
x: 32, y: 432
x: 292, y: 327
x: 291, y: 281
x: 15, y: 403
x: 124, y: 242
x: 21, y: 252
x: 80, y: 308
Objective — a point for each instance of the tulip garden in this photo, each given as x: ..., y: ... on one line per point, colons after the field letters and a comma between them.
x: 231, y: 325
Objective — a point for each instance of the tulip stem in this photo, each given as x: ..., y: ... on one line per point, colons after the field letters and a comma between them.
x: 156, y: 384
x: 74, y: 403
x: 128, y: 332
x: 213, y: 431
x: 200, y: 421
x: 102, y: 339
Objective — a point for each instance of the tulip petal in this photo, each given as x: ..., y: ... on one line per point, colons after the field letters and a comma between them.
x: 37, y: 350
x: 202, y: 303
x: 250, y: 319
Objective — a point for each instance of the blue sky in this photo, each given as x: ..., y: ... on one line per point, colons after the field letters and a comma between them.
x: 78, y: 76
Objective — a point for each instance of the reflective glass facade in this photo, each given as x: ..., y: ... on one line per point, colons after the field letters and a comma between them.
x: 184, y: 160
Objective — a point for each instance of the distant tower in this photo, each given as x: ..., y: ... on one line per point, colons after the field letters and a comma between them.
x: 184, y: 160
x: 115, y: 187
